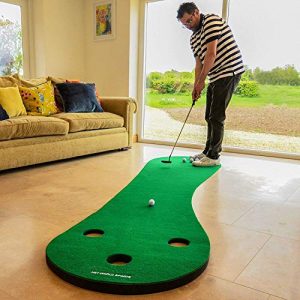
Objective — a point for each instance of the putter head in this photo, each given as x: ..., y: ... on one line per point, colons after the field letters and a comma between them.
x: 166, y: 161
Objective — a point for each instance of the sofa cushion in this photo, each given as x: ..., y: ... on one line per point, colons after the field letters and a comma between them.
x: 78, y: 81
x: 39, y: 100
x: 11, y: 101
x: 29, y: 82
x: 91, y: 121
x: 55, y: 80
x: 31, y: 126
x: 79, y: 97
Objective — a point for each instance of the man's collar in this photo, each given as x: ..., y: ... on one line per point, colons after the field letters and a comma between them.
x: 200, y: 23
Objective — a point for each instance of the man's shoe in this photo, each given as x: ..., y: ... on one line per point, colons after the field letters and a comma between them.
x: 206, y: 162
x: 197, y: 157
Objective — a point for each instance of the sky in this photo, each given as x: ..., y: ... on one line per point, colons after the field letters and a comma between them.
x: 267, y: 32
x: 11, y: 12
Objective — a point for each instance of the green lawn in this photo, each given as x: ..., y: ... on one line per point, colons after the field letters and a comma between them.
x: 277, y: 95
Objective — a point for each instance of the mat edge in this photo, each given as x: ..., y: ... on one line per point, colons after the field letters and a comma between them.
x: 125, y: 289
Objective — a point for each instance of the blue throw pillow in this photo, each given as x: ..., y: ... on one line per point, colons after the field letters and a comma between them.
x: 3, y: 114
x: 79, y: 97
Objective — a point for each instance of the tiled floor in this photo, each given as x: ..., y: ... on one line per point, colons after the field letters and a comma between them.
x: 250, y: 209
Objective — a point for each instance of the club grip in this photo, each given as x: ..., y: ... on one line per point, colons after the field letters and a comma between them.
x: 194, y: 101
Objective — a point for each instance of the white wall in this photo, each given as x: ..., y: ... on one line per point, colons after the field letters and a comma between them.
x: 57, y: 30
x: 107, y: 61
x: 63, y: 45
x: 134, y: 48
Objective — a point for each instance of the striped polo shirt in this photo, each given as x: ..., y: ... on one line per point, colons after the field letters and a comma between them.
x: 228, y: 61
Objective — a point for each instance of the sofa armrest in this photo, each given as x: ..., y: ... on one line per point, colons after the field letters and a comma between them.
x: 124, y: 107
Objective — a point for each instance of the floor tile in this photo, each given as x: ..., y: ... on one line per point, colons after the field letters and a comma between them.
x: 273, y: 218
x: 294, y: 199
x: 209, y: 287
x: 232, y: 249
x: 258, y: 178
x: 275, y: 269
x: 33, y: 280
x: 220, y: 205
x: 275, y: 298
x: 21, y: 238
x: 5, y: 296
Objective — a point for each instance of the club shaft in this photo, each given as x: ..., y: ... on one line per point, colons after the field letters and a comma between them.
x: 181, y: 130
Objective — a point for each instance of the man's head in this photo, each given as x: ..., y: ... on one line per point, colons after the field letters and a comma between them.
x: 188, y: 14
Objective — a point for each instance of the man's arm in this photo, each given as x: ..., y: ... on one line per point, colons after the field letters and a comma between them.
x: 209, y: 60
x: 198, y: 69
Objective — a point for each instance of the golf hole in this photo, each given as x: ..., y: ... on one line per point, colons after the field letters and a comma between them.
x: 94, y: 233
x: 179, y: 242
x: 119, y: 259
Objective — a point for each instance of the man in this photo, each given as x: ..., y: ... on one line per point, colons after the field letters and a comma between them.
x: 218, y: 58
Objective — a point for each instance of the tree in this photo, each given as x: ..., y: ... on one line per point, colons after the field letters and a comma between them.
x: 287, y: 75
x: 170, y: 82
x: 248, y: 74
x: 152, y: 77
x: 11, y: 57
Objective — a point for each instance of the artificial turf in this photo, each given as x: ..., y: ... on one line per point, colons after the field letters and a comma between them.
x: 130, y: 227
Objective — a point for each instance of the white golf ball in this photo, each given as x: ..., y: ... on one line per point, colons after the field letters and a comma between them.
x: 184, y: 160
x: 191, y: 159
x: 151, y: 202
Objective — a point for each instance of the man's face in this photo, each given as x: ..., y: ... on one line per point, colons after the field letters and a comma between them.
x: 191, y: 21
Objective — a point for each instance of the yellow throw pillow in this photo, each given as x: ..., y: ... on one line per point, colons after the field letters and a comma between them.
x: 11, y: 101
x: 39, y: 100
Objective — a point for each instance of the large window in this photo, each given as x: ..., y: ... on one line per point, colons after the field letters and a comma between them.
x: 11, y: 36
x: 264, y: 111
x: 264, y: 115
x: 169, y: 65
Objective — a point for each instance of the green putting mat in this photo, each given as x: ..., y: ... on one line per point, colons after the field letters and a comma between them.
x: 129, y: 247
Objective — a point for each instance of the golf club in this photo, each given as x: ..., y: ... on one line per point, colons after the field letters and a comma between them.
x: 169, y: 159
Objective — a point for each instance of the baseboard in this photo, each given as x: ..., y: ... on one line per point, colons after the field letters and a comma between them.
x: 135, y: 138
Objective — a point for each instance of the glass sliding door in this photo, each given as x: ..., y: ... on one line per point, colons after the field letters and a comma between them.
x: 169, y: 72
x: 264, y: 114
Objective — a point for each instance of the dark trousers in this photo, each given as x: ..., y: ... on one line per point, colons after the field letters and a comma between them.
x: 218, y: 95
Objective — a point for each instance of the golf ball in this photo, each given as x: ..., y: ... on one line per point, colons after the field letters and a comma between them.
x: 191, y: 159
x: 151, y: 202
x: 184, y: 160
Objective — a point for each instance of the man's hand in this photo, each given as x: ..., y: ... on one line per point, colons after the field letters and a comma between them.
x: 198, y: 88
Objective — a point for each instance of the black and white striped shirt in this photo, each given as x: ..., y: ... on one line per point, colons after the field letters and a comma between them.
x: 228, y: 61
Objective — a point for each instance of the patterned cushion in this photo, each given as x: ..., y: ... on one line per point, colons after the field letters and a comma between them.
x: 39, y: 100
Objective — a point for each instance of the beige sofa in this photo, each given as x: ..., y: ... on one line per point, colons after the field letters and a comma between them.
x: 29, y: 140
